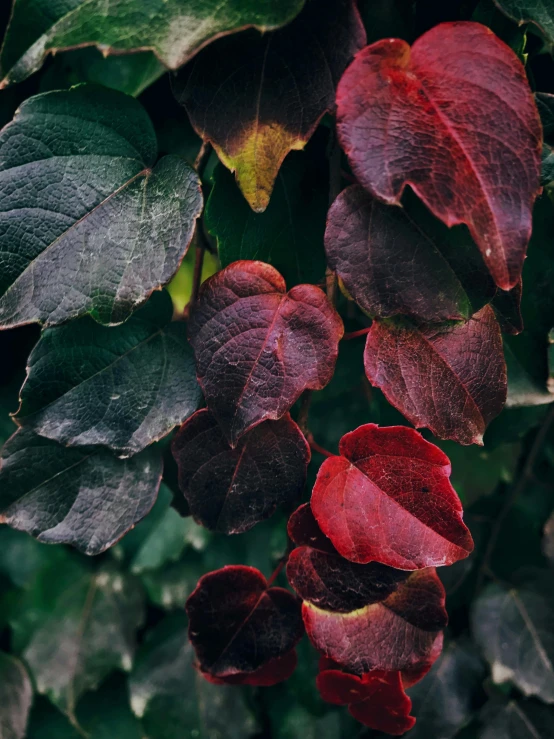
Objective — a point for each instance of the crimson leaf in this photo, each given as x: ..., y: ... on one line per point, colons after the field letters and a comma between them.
x: 402, y: 632
x: 388, y: 498
x: 454, y: 118
x: 449, y: 378
x: 402, y: 260
x: 258, y: 347
x: 257, y: 97
x: 230, y: 490
x: 238, y: 624
x: 275, y: 671
x: 322, y: 577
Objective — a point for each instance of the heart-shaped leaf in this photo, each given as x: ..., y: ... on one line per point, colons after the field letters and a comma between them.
x: 388, y: 499
x: 449, y: 378
x: 454, y: 118
x: 322, y: 577
x: 238, y: 624
x: 174, y: 30
x: 97, y: 225
x: 402, y: 260
x: 402, y: 632
x: 122, y: 387
x: 258, y: 347
x: 513, y: 627
x: 231, y: 490
x: 538, y: 12
x: 16, y: 696
x: 85, y: 496
x: 376, y: 699
x: 255, y: 98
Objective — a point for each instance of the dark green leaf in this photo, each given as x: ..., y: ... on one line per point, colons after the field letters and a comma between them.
x: 173, y: 699
x: 517, y: 720
x: 538, y: 12
x: 514, y: 627
x: 86, y: 497
x: 89, y: 632
x: 122, y: 387
x: 88, y: 223
x: 447, y: 698
x: 174, y: 30
x: 545, y: 105
x: 287, y: 235
x: 16, y: 694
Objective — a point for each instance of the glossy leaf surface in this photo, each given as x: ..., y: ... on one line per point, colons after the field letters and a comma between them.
x: 402, y: 260
x: 448, y: 378
x: 257, y: 98
x: 174, y: 31
x: 513, y: 627
x: 86, y: 497
x: 89, y: 223
x: 322, y: 577
x: 538, y: 12
x: 439, y: 117
x: 376, y: 699
x: 258, y: 347
x: 401, y: 633
x: 238, y: 624
x: 230, y: 490
x: 16, y: 695
x: 122, y: 387
x: 388, y: 498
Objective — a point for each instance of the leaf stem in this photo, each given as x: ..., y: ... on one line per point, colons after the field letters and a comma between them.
x: 199, y: 165
x: 335, y: 182
x: 355, y: 334
x: 281, y: 563
x: 317, y: 447
x: 302, y: 419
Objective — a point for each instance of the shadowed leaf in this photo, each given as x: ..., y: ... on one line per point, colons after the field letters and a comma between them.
x: 16, y: 695
x: 538, y: 12
x: 517, y: 720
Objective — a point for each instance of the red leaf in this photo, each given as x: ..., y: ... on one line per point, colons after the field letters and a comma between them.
x: 451, y: 379
x: 230, y: 490
x: 454, y: 118
x: 258, y: 347
x: 237, y: 624
x: 275, y: 671
x: 325, y: 579
x: 403, y: 260
x: 401, y: 633
x: 376, y: 699
x: 388, y: 498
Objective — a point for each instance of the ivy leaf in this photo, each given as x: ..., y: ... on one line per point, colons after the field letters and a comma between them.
x: 80, y: 496
x: 400, y: 633
x: 376, y: 699
x: 446, y: 700
x: 173, y: 31
x: 231, y: 490
x: 16, y: 695
x: 322, y: 577
x: 89, y: 632
x: 545, y: 106
x: 122, y: 387
x: 295, y: 217
x: 258, y: 347
x: 402, y: 260
x: 449, y: 378
x: 513, y: 627
x: 443, y: 129
x: 255, y: 98
x: 517, y: 720
x: 172, y: 699
x: 537, y: 12
x: 388, y: 499
x: 97, y: 226
x: 238, y: 623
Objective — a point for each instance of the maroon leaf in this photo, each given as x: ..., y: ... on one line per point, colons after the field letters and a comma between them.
x: 258, y: 347
x: 454, y: 118
x: 449, y: 378
x: 231, y: 490
x: 327, y: 580
x: 237, y: 624
x: 256, y: 97
x: 388, y: 499
x: 376, y: 699
x: 403, y: 260
x: 275, y: 671
x: 401, y: 633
